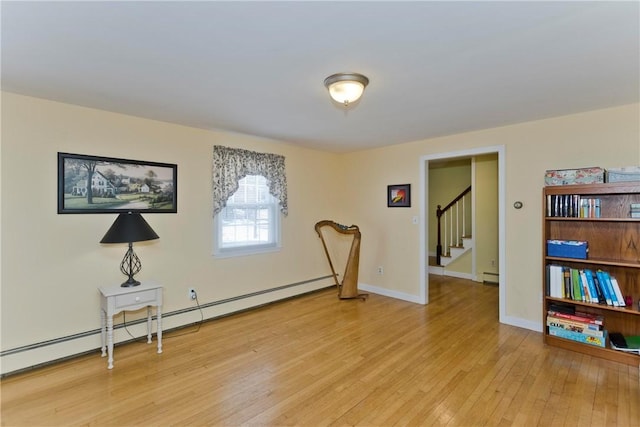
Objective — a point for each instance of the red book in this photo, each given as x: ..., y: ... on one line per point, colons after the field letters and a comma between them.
x: 578, y: 316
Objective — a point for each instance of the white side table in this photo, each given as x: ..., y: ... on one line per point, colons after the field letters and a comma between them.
x: 116, y: 299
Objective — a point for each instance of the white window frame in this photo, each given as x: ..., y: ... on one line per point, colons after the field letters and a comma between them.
x: 222, y: 251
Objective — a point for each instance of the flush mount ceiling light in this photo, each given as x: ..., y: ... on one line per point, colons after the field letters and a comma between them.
x: 346, y: 88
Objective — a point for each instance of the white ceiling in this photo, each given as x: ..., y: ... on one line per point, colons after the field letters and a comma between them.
x: 436, y: 68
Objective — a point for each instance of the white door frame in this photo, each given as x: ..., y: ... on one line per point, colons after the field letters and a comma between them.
x: 424, y: 210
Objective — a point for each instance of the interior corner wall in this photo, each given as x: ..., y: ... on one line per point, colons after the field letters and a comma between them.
x: 486, y: 213
x: 390, y: 238
x: 53, y: 264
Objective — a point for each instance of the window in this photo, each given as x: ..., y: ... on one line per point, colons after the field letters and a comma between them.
x: 249, y: 193
x: 250, y: 222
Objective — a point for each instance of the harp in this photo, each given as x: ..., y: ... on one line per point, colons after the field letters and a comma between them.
x: 348, y: 289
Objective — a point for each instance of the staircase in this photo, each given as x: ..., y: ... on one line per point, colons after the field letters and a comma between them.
x: 455, y: 252
x: 453, y: 231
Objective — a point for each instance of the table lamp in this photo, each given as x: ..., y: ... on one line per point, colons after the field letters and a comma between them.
x: 128, y: 228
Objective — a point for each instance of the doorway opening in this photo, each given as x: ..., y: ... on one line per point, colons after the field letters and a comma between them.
x: 426, y: 211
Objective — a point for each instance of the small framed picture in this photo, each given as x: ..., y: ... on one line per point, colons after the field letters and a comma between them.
x: 399, y: 196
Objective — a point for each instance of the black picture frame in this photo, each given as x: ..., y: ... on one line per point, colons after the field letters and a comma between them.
x: 399, y: 196
x: 118, y: 185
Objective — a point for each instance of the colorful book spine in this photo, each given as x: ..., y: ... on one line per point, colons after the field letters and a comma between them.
x: 590, y: 208
x: 579, y: 317
x: 563, y: 205
x: 585, y: 287
x: 579, y: 337
x: 553, y: 272
x: 612, y: 292
x: 566, y: 276
x: 603, y: 286
x: 592, y: 286
x: 618, y: 291
x: 576, y: 205
x: 596, y: 282
x: 577, y: 285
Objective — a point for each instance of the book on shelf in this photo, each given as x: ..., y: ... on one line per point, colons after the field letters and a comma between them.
x: 609, y: 285
x: 563, y: 205
x: 579, y: 337
x: 571, y: 325
x: 585, y: 286
x: 618, y: 291
x: 555, y: 280
x: 597, y: 287
x: 613, y: 289
x: 574, y: 206
x: 566, y: 279
x: 591, y: 208
x: 602, y: 281
x: 626, y: 343
x: 575, y: 315
x: 592, y: 286
x: 596, y: 284
x: 577, y: 288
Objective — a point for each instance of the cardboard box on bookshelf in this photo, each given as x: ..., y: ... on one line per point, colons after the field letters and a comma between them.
x: 579, y: 337
x: 624, y: 174
x: 590, y: 175
x: 567, y: 249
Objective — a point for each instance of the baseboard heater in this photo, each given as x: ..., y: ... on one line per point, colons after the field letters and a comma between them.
x: 165, y: 315
x: 491, y: 278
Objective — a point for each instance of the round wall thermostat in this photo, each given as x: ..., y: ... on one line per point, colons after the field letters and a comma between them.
x: 518, y: 205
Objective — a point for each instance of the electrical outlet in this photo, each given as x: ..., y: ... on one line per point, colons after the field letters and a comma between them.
x: 192, y: 294
x: 380, y: 270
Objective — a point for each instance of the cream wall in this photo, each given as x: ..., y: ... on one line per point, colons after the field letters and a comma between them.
x: 53, y: 264
x: 607, y: 138
x: 449, y: 178
x: 486, y: 213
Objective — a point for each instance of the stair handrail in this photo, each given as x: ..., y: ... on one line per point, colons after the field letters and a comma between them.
x: 441, y: 211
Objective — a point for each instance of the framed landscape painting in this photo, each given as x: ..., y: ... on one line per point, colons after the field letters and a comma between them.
x: 92, y: 184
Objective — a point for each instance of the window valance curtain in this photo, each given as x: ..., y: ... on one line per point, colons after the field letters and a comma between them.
x: 230, y: 165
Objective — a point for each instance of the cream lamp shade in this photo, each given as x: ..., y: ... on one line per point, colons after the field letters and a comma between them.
x: 346, y: 88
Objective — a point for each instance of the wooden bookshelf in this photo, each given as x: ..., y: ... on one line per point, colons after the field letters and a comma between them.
x: 614, y: 246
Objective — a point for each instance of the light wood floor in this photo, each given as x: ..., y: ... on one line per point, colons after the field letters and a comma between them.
x: 316, y: 360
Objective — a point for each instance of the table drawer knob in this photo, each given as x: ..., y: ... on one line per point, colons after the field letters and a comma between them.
x: 135, y: 298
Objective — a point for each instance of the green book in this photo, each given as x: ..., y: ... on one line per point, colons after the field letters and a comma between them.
x: 577, y: 286
x: 633, y: 341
